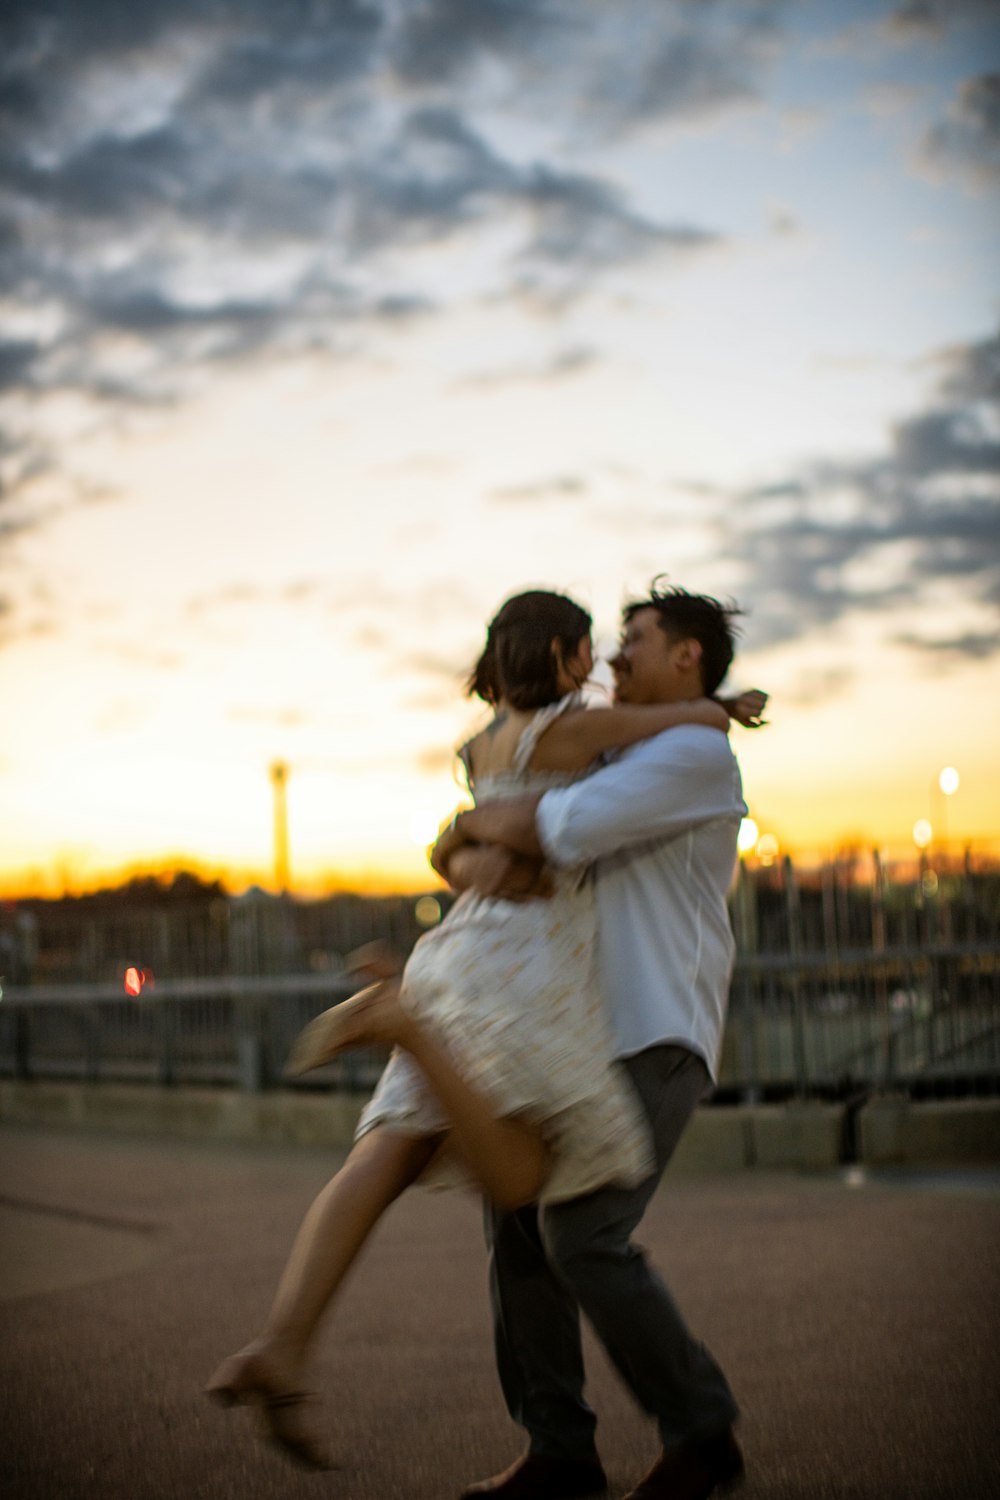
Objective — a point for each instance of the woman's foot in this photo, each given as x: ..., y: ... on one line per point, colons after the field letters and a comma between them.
x: 374, y: 1017
x: 251, y: 1378
x: 375, y: 961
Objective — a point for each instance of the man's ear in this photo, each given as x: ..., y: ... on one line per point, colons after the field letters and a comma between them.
x: 687, y: 655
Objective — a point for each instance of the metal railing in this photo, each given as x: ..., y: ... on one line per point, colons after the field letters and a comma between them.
x: 920, y: 1019
x: 924, y: 1021
x: 228, y: 1031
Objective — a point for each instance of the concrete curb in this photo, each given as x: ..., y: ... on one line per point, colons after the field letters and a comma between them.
x: 224, y: 1115
x: 722, y: 1138
x: 945, y: 1133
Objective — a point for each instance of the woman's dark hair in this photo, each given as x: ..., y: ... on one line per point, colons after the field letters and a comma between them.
x: 517, y: 663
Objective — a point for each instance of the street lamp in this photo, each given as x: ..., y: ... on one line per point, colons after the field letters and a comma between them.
x: 922, y: 833
x: 279, y: 782
x: 746, y: 839
x: 767, y: 849
x: 947, y: 785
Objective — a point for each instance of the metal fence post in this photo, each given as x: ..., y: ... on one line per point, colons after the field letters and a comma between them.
x: 746, y: 938
x: 794, y: 916
x: 881, y: 983
x: 22, y: 1043
x: 167, y: 1062
x: 91, y: 1045
x: 250, y: 1052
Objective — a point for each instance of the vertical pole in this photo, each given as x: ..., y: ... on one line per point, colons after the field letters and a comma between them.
x: 746, y: 939
x: 279, y: 781
x: 881, y: 982
x: 22, y: 1042
x: 927, y: 962
x: 250, y: 1060
x: 793, y: 912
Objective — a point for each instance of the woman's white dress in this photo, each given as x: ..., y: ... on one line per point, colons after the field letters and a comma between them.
x: 511, y: 990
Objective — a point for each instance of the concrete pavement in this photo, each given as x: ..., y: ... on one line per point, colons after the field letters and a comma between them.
x: 857, y: 1325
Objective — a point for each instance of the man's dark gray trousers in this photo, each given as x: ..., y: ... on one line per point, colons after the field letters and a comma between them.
x: 548, y: 1264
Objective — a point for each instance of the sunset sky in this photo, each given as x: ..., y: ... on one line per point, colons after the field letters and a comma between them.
x: 326, y: 325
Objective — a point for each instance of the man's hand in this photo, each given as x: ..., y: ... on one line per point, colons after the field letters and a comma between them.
x: 491, y: 871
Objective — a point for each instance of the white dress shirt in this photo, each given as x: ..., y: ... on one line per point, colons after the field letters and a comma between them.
x: 659, y: 827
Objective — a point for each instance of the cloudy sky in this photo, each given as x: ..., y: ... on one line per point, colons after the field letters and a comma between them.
x: 327, y: 324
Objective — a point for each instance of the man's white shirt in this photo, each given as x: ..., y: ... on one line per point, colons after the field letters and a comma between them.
x: 659, y: 827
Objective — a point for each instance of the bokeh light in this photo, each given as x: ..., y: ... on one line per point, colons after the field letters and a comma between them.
x: 427, y: 911
x: 767, y: 848
x: 748, y: 835
x: 424, y: 826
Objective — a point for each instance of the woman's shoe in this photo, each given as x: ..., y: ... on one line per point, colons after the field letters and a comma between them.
x: 368, y: 1019
x: 375, y: 960
x: 246, y: 1380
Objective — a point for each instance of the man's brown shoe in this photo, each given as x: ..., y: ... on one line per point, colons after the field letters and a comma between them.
x: 693, y: 1471
x: 535, y: 1477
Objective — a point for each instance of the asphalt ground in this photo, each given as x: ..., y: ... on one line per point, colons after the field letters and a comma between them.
x: 857, y: 1324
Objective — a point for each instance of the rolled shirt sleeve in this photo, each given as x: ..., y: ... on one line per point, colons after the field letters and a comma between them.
x: 658, y: 790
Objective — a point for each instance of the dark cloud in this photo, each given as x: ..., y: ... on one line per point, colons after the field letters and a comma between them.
x: 434, y: 175
x: 967, y: 143
x: 929, y: 19
x: 107, y: 177
x: 580, y: 221
x: 16, y: 359
x: 878, y: 535
x: 972, y: 645
x: 445, y: 40
x: 322, y: 47
x: 146, y: 149
x: 972, y: 373
x: 438, y: 177
x: 919, y: 18
x: 608, y: 68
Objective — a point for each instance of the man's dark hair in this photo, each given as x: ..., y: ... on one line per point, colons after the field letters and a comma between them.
x: 698, y: 617
x: 517, y: 663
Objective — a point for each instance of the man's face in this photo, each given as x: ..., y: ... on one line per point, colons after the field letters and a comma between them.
x: 645, y: 666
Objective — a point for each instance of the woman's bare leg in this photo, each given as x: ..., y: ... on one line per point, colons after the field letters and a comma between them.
x: 381, y: 1165
x: 508, y: 1157
x: 268, y: 1372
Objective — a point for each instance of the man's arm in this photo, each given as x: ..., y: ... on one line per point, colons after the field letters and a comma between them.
x: 660, y: 790
x: 494, y: 849
x: 508, y: 823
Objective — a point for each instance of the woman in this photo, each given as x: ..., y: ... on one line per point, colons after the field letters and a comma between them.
x: 503, y: 1066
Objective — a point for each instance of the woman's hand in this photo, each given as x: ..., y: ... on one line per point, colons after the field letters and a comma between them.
x: 449, y: 841
x: 747, y: 708
x: 491, y: 871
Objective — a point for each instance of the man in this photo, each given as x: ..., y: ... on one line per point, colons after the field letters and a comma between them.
x: 659, y: 827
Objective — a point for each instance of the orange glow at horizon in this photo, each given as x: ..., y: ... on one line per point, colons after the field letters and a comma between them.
x: 415, y: 877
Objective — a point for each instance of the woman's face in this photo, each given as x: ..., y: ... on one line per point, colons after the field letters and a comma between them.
x: 572, y: 671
